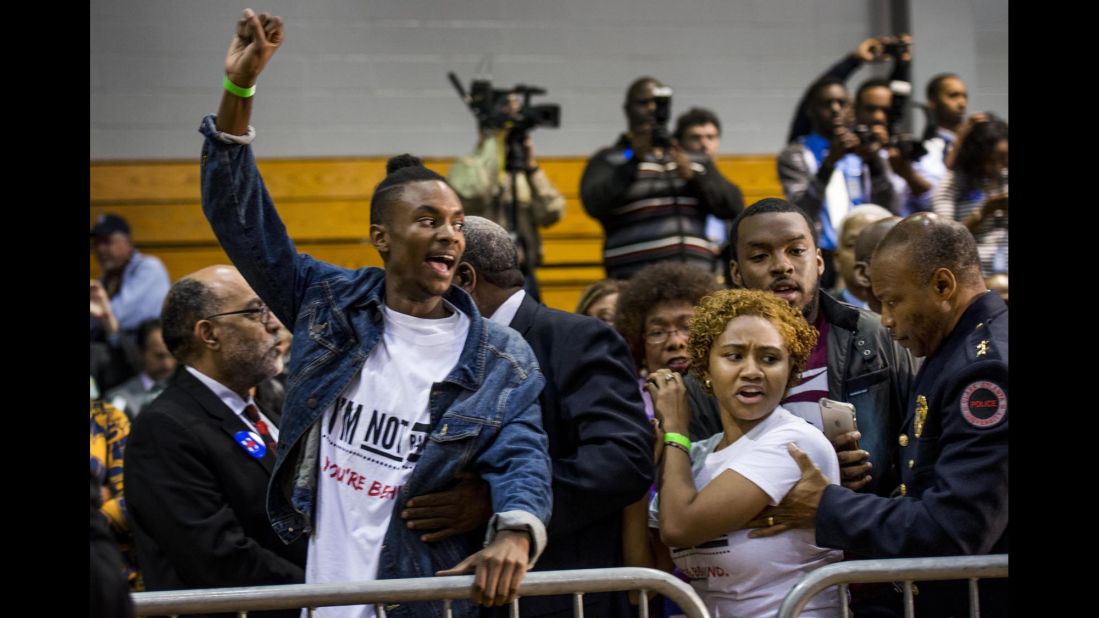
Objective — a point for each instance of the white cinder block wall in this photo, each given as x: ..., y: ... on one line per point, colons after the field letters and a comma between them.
x: 368, y: 77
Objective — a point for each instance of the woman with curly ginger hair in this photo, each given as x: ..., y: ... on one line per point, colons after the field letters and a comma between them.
x: 748, y: 347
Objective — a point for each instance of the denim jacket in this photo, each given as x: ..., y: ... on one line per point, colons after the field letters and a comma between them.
x: 485, y: 414
x: 875, y: 374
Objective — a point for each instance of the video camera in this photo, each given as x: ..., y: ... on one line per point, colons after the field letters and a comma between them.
x: 492, y: 106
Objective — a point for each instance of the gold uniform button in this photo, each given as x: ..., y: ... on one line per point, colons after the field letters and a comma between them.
x: 904, y: 490
x: 911, y: 462
x: 903, y: 439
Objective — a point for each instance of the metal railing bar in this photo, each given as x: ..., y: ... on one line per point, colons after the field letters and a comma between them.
x: 410, y: 590
x: 891, y: 570
x: 909, y: 602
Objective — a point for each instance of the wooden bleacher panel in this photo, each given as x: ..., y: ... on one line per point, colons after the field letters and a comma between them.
x: 325, y: 204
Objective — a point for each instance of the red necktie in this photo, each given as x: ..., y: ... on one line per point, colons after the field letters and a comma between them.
x: 252, y: 412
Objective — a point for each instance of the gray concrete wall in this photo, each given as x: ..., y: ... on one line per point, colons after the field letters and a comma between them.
x: 368, y: 77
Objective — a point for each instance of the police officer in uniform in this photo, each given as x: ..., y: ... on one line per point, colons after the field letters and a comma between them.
x: 953, y: 445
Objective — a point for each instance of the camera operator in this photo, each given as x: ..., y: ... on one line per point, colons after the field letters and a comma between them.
x: 872, y: 50
x: 652, y: 197
x: 876, y: 118
x: 698, y: 130
x: 835, y: 167
x: 484, y: 184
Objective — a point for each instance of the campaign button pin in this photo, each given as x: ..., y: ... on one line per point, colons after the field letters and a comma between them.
x: 251, y: 443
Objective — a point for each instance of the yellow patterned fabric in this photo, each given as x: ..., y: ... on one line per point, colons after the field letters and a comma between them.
x: 109, y: 430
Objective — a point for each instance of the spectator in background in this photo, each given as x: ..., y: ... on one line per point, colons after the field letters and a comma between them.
x: 947, y: 98
x: 975, y: 190
x: 865, y: 244
x: 109, y: 431
x: 600, y: 300
x: 109, y: 592
x: 654, y: 313
x: 157, y: 364
x: 876, y: 118
x: 698, y: 131
x: 651, y: 196
x: 130, y: 291
x: 831, y: 170
x: 847, y: 289
x: 134, y: 283
x: 872, y: 50
x: 114, y: 358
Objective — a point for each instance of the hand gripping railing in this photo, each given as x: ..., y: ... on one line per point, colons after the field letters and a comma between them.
x: 907, y: 570
x: 445, y: 589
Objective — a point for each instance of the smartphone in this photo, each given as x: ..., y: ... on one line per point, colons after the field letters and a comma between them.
x: 837, y: 417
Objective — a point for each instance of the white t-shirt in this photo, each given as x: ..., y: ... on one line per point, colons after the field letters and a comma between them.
x: 371, y: 438
x: 739, y: 576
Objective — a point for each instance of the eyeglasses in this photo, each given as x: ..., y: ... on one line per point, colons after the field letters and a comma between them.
x: 263, y: 312
x: 658, y: 336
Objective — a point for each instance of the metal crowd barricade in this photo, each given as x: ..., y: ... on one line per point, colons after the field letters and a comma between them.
x: 905, y: 570
x: 446, y: 589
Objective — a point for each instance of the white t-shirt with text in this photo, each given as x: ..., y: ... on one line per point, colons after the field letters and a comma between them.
x: 740, y: 576
x: 371, y: 439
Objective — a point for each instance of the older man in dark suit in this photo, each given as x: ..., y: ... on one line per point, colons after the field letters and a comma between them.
x: 199, y: 457
x: 599, y: 440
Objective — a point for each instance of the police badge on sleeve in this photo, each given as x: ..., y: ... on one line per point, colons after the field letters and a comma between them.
x: 984, y: 404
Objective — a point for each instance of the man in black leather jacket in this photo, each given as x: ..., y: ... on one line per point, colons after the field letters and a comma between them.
x: 855, y: 359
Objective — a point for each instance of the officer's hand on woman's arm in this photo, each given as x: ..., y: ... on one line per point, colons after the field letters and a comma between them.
x: 798, y: 508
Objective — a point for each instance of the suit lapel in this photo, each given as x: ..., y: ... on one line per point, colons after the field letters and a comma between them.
x: 230, y: 423
x: 524, y: 317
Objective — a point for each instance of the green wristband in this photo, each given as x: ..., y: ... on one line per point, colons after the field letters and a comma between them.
x: 243, y: 93
x: 677, y: 438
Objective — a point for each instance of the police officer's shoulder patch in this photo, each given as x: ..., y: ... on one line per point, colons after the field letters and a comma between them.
x: 984, y: 404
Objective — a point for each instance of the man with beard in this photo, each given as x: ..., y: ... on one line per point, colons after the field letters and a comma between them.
x: 854, y: 360
x: 199, y: 457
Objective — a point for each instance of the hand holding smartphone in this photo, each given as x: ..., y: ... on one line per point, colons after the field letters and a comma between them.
x: 837, y: 418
